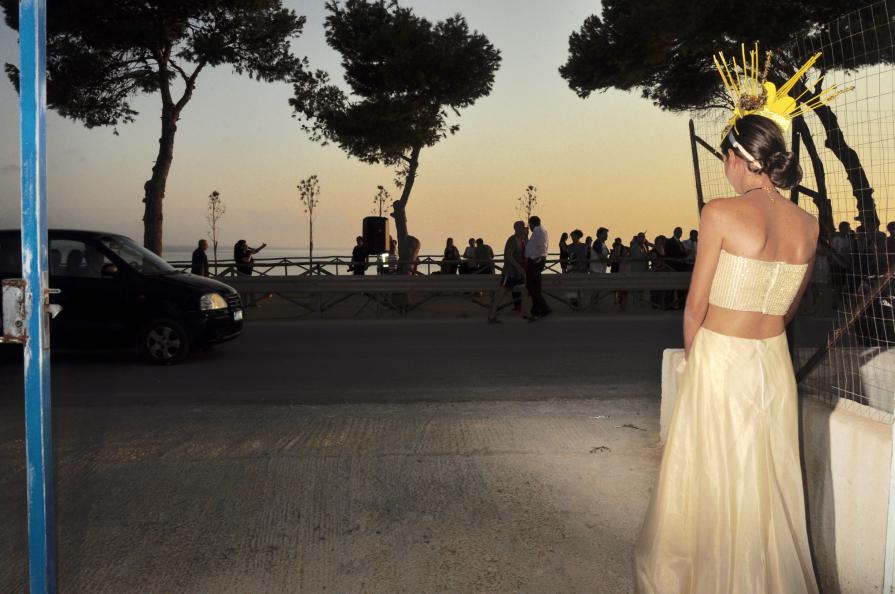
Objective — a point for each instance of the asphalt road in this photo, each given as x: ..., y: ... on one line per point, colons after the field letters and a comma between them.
x: 332, y: 361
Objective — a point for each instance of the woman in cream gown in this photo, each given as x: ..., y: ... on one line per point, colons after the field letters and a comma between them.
x: 728, y: 511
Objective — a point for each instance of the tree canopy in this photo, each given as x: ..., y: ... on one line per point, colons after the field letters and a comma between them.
x: 100, y: 55
x: 405, y: 76
x: 664, y: 49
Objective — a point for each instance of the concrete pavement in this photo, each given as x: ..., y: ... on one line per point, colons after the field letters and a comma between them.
x: 363, y: 498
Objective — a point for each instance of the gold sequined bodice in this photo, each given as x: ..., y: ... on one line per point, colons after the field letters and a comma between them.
x: 747, y: 284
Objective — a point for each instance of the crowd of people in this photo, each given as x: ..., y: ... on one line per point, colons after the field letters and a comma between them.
x: 580, y: 255
x: 841, y: 262
x: 850, y: 256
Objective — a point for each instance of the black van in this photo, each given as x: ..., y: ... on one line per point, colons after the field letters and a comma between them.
x: 114, y: 292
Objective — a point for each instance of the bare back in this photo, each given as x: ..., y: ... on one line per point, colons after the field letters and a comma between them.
x: 755, y: 227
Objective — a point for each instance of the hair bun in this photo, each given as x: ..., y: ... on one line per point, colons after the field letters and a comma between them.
x: 783, y: 169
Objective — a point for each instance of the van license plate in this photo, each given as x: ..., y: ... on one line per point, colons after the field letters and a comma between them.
x: 237, y: 315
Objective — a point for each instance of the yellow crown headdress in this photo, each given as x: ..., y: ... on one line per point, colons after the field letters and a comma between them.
x: 752, y: 93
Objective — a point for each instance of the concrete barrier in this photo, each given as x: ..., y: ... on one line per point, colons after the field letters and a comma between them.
x: 847, y: 460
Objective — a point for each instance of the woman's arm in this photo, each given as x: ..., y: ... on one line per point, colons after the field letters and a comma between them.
x: 710, y: 239
x: 794, y: 306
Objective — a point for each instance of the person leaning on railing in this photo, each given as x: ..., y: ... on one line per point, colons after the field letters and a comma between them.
x: 658, y: 262
x: 359, y: 258
x: 393, y: 257
x: 468, y: 265
x: 576, y: 254
x: 244, y: 256
x: 451, y: 257
x: 618, y: 255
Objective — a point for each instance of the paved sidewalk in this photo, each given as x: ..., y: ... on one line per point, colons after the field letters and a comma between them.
x: 420, y: 497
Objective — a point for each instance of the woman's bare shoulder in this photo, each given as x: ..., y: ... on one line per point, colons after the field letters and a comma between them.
x: 806, y: 222
x: 719, y: 206
x: 718, y: 210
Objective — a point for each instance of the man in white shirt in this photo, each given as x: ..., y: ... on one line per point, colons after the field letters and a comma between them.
x: 535, y: 259
x: 599, y: 257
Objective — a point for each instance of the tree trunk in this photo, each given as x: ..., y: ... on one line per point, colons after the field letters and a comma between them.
x: 857, y: 178
x: 399, y: 213
x: 821, y: 200
x: 860, y: 184
x: 154, y: 188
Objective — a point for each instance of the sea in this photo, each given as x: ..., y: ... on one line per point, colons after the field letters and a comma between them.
x: 181, y: 255
x: 184, y: 253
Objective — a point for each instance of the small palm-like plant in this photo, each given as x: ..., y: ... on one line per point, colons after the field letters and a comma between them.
x: 309, y: 194
x: 528, y: 202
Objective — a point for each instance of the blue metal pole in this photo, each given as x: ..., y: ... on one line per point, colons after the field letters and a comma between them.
x: 38, y: 444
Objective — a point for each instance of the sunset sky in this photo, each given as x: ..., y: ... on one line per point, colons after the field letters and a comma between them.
x: 612, y: 160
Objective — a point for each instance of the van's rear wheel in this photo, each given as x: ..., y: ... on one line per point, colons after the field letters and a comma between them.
x: 164, y: 342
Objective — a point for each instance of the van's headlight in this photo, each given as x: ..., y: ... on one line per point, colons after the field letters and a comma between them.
x: 210, y: 301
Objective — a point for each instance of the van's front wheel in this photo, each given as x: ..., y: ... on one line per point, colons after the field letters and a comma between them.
x: 163, y: 341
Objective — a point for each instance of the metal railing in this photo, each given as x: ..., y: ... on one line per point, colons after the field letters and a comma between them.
x: 317, y: 294
x: 427, y: 265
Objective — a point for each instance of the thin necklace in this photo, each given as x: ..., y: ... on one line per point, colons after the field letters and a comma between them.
x: 767, y: 189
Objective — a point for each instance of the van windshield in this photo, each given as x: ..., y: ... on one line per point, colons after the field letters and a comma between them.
x: 138, y: 257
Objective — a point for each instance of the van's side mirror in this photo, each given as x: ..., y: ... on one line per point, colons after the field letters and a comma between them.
x: 110, y: 270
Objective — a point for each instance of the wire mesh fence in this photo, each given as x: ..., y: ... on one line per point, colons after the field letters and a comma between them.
x: 847, y: 153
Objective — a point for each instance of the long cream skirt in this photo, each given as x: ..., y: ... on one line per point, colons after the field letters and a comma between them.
x: 728, y: 512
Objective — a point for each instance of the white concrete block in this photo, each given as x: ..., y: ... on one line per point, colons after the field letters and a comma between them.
x: 847, y: 460
x: 878, y: 379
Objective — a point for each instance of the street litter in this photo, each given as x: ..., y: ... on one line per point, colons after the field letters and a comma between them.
x: 629, y: 426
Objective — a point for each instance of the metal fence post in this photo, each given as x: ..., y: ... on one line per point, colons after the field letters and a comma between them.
x: 38, y: 445
x: 796, y: 151
x: 700, y: 201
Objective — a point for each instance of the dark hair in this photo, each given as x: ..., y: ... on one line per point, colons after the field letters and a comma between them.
x: 764, y: 142
x: 534, y: 221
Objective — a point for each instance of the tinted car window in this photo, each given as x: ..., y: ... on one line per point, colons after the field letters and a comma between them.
x: 139, y: 258
x: 10, y: 255
x: 74, y: 258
